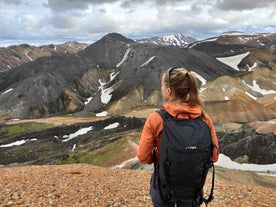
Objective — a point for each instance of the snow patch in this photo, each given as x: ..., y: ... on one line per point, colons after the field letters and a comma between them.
x: 112, y: 126
x: 88, y: 100
x: 7, y: 91
x: 226, y: 162
x: 26, y: 53
x: 103, y: 113
x: 106, y: 92
x: 106, y: 95
x: 113, y: 75
x: 202, y: 80
x: 74, y: 147
x: 18, y: 143
x: 253, y: 97
x: 253, y: 66
x: 233, y: 61
x: 124, y: 58
x: 148, y: 61
x: 257, y: 88
x: 77, y: 133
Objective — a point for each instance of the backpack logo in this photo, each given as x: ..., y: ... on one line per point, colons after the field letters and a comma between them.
x: 185, y: 157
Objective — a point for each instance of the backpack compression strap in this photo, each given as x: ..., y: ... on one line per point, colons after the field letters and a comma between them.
x: 211, y: 197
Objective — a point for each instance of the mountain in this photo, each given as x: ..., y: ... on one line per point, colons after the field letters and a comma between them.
x: 16, y: 55
x: 228, y: 44
x: 175, y: 39
x: 255, y: 89
x: 116, y: 75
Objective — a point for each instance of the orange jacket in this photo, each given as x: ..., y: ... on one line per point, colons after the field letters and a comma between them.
x: 154, y: 125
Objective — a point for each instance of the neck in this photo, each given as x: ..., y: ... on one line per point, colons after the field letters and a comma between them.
x: 178, y: 101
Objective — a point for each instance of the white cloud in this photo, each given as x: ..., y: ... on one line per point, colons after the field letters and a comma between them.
x: 91, y: 19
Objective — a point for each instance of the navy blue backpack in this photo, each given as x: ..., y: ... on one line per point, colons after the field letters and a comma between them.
x: 185, y: 158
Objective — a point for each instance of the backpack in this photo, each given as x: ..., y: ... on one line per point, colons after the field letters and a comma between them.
x: 185, y: 158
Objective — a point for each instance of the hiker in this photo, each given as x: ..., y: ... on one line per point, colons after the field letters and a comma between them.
x: 180, y: 91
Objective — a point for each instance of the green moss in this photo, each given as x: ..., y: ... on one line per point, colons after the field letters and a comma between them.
x: 99, y: 156
x: 109, y: 151
x: 136, y: 139
x: 16, y: 129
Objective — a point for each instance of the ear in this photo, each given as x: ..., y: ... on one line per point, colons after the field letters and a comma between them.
x: 169, y: 91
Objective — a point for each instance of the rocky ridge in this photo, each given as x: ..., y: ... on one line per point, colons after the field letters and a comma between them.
x: 175, y: 39
x: 15, y: 55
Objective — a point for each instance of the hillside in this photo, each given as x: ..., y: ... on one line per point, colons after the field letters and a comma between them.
x: 87, y: 185
x: 113, y: 74
x: 15, y: 55
x: 104, y: 140
x: 116, y: 75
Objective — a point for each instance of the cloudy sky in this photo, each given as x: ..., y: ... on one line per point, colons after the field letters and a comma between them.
x: 55, y: 21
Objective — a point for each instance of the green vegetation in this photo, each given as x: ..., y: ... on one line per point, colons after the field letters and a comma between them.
x: 108, y: 151
x: 99, y: 156
x: 17, y: 129
x: 136, y: 139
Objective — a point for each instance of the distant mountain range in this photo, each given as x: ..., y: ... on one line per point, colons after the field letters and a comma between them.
x: 15, y: 55
x: 116, y: 75
x: 175, y: 40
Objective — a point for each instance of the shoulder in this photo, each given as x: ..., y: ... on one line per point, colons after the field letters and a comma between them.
x: 155, y: 116
x: 154, y: 119
x: 207, y: 119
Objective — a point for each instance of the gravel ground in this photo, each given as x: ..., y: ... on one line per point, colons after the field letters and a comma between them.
x: 87, y: 185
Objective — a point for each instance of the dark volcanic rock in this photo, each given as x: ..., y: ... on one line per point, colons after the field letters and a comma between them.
x: 258, y: 148
x: 51, y: 145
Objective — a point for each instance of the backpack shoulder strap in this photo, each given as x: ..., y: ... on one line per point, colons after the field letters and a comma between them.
x: 164, y: 114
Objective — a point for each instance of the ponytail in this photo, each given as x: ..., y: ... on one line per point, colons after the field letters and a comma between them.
x: 184, y: 87
x: 193, y: 89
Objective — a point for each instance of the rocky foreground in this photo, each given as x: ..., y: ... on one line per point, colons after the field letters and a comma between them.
x: 87, y: 185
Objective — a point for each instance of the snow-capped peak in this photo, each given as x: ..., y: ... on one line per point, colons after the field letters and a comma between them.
x: 175, y: 39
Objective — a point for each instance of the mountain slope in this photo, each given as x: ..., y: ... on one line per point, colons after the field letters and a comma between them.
x: 231, y: 44
x: 228, y: 99
x: 114, y: 66
x: 116, y: 75
x: 16, y: 55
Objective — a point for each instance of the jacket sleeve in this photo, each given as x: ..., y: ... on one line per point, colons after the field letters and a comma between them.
x: 210, y: 123
x: 149, y: 138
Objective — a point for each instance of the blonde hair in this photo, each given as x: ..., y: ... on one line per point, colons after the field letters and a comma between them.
x: 183, y: 85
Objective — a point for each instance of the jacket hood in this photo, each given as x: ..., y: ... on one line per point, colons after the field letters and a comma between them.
x: 182, y: 110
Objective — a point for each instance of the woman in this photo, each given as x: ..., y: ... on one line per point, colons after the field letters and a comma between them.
x: 180, y: 90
